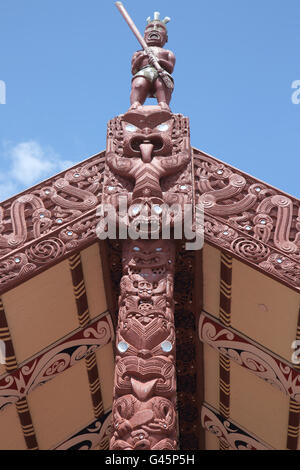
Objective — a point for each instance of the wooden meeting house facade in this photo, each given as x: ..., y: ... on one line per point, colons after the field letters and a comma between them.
x: 236, y: 315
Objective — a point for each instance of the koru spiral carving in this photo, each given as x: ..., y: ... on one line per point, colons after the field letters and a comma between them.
x: 252, y: 220
x: 49, y: 206
x: 249, y: 218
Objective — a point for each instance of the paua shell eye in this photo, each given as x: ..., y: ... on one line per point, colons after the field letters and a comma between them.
x: 163, y: 127
x: 130, y: 128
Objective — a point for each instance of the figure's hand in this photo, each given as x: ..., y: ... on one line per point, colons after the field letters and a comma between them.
x: 152, y: 59
x: 137, y: 59
x: 140, y: 54
x: 159, y: 424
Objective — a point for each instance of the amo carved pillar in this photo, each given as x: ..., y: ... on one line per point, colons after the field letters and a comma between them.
x: 147, y: 190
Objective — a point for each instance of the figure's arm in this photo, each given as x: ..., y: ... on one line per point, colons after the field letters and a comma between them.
x: 174, y: 163
x: 119, y: 165
x: 136, y: 61
x: 168, y: 64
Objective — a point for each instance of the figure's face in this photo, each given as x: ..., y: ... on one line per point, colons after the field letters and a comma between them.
x: 156, y: 34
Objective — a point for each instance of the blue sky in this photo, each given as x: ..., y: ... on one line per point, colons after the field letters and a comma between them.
x: 66, y: 66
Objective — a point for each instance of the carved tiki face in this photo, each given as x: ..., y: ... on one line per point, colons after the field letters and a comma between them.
x: 156, y: 34
x: 147, y: 163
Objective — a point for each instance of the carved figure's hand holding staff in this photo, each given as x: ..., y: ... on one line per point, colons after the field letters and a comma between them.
x: 152, y: 67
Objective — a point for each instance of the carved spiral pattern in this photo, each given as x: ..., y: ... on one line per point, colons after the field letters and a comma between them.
x: 46, y: 250
x: 272, y: 218
x: 281, y: 200
x: 256, y: 210
x: 66, y: 197
x: 252, y: 250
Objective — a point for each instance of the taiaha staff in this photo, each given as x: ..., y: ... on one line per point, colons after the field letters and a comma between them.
x: 162, y: 73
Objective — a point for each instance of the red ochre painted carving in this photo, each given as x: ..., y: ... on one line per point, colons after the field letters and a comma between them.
x: 49, y: 206
x: 148, y: 162
x: 152, y: 66
x: 234, y: 228
x: 248, y: 218
x: 144, y: 409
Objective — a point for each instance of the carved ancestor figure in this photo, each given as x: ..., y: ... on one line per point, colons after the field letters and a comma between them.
x: 151, y: 67
x: 144, y: 410
x: 148, y: 162
x: 146, y: 79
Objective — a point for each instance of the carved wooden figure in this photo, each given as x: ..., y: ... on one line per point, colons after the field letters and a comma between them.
x: 148, y: 162
x: 152, y: 66
x: 144, y: 410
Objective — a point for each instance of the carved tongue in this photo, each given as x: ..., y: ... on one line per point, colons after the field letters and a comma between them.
x: 146, y: 151
x: 143, y: 390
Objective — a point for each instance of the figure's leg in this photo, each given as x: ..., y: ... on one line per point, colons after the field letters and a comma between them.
x: 163, y: 94
x: 139, y: 91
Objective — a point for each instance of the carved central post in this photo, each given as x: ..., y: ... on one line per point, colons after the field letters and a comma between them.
x: 144, y: 410
x: 146, y: 191
x: 147, y: 188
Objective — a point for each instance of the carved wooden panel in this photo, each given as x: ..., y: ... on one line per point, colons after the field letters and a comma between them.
x: 144, y: 414
x: 250, y: 219
x: 255, y: 222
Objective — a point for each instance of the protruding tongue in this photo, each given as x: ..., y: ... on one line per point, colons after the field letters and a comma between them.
x: 143, y: 390
x: 146, y: 151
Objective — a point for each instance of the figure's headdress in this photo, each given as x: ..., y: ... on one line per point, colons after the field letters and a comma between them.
x: 157, y: 18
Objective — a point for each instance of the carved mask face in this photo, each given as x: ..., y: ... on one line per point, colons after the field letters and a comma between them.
x: 145, y: 289
x: 156, y: 34
x: 144, y: 286
x: 156, y: 132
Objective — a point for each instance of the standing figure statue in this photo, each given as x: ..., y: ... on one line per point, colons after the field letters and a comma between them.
x: 146, y: 78
x: 152, y: 66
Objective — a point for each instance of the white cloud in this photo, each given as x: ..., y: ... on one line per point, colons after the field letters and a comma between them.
x: 31, y: 163
x: 27, y: 163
